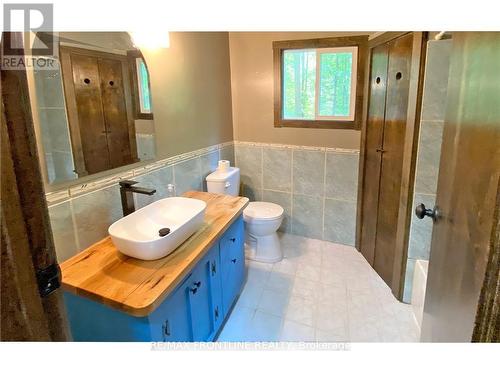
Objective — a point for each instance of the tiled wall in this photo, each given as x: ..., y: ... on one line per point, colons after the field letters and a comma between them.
x: 53, y: 125
x: 428, y: 154
x: 317, y: 187
x: 81, y: 215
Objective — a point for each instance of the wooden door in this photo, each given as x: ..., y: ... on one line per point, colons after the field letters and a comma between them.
x: 467, y: 190
x: 115, y: 112
x: 99, y: 103
x: 89, y: 108
x: 31, y: 303
x: 396, y: 107
x: 374, y: 140
x: 385, y: 134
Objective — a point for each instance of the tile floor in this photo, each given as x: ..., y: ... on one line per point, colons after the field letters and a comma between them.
x: 320, y: 291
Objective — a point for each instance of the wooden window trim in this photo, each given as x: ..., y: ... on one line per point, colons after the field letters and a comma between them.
x: 132, y: 56
x: 360, y: 41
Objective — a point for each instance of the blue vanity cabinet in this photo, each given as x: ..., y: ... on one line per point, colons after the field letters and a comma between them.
x: 194, y: 311
x: 232, y: 259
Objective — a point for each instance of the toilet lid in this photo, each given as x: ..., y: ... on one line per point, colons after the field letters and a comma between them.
x: 262, y: 211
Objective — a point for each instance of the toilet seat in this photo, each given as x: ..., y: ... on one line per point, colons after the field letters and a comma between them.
x: 262, y: 211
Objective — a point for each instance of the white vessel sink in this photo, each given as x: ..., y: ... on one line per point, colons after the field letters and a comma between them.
x: 138, y: 234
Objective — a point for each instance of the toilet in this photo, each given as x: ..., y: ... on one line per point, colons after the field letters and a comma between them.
x: 262, y: 219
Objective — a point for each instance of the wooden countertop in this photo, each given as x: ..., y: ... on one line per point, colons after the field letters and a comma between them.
x: 138, y: 287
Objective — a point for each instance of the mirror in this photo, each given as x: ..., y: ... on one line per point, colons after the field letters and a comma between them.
x: 92, y: 109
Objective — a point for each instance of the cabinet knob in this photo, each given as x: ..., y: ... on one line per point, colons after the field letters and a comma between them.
x: 193, y: 290
x: 232, y: 239
x: 197, y: 283
x: 214, y: 269
x: 233, y: 260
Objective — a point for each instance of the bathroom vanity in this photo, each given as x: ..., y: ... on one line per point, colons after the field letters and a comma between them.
x: 184, y: 296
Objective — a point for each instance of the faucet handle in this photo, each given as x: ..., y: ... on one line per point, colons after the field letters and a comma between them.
x: 127, y: 183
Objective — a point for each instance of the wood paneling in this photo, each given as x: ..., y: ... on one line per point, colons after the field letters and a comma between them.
x: 468, y: 180
x: 135, y: 286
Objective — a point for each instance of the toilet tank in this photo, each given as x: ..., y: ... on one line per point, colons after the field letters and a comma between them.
x: 224, y: 181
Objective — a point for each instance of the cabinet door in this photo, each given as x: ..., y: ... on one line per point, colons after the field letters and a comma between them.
x: 232, y: 263
x: 171, y: 321
x: 217, y: 311
x: 200, y: 304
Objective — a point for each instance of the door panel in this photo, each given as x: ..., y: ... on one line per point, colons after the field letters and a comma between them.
x: 398, y: 82
x: 467, y: 186
x: 374, y: 133
x: 115, y: 112
x: 87, y: 84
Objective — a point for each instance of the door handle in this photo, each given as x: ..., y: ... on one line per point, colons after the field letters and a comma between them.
x: 421, y: 211
x: 381, y: 150
x: 166, y: 328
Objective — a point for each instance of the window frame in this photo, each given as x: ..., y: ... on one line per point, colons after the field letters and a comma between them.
x: 322, y: 122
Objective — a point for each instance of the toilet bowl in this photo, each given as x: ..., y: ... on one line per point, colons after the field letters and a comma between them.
x: 262, y: 220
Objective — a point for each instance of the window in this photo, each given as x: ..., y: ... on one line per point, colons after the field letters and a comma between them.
x: 318, y: 82
x: 143, y: 86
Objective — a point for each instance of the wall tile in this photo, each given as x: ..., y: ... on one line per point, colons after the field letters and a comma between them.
x: 428, y: 156
x: 158, y: 179
x: 421, y: 230
x: 340, y: 221
x: 307, y: 219
x: 436, y: 80
x: 285, y: 201
x: 208, y: 164
x: 251, y: 193
x: 94, y: 213
x: 187, y: 176
x: 341, y: 181
x: 227, y: 153
x: 61, y: 222
x: 277, y: 169
x: 308, y: 172
x: 249, y: 160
